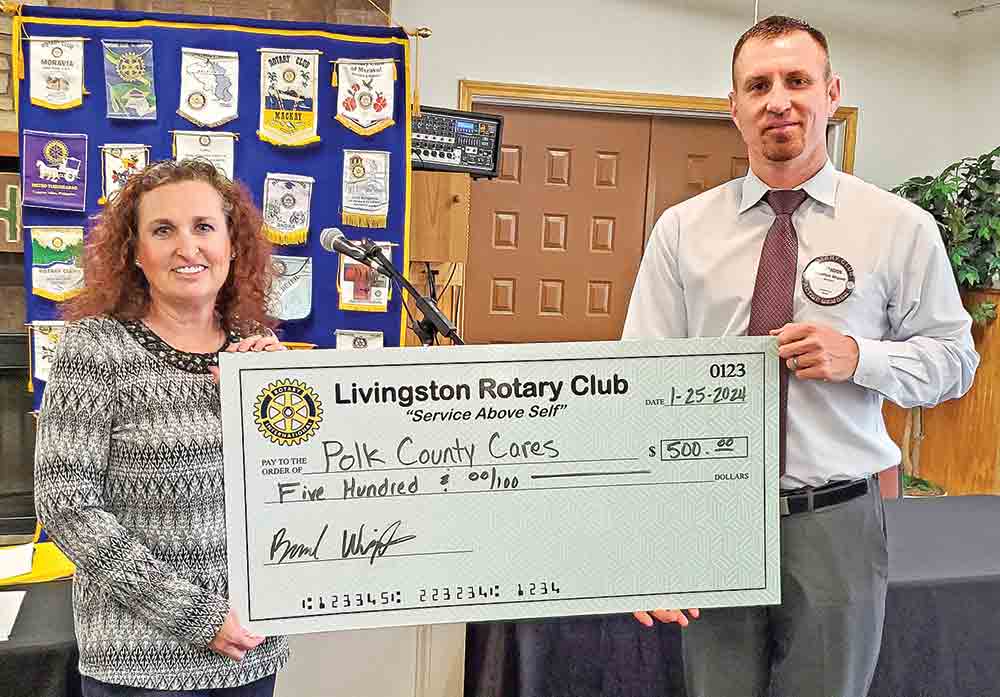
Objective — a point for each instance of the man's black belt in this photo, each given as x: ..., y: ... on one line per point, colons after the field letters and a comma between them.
x: 809, y: 499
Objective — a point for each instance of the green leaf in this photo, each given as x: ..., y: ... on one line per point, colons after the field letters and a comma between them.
x: 968, y: 275
x: 920, y: 487
x: 983, y: 313
x: 964, y: 200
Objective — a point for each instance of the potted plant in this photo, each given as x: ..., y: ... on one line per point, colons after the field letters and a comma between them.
x: 965, y: 201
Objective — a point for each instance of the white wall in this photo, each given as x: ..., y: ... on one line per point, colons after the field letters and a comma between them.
x: 898, y: 58
x: 978, y: 101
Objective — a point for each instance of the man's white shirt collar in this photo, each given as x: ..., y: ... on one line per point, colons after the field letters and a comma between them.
x: 821, y: 187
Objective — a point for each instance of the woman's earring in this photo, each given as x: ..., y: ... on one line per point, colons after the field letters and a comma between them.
x: 138, y: 264
x: 233, y: 255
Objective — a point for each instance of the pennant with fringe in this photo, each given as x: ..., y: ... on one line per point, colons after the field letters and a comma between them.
x: 288, y: 83
x: 287, y: 198
x: 366, y: 188
x: 56, y: 69
x: 365, y: 101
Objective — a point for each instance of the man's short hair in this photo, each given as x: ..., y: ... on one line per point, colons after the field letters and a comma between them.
x: 777, y: 25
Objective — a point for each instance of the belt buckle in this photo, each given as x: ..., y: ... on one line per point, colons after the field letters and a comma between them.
x: 784, y: 509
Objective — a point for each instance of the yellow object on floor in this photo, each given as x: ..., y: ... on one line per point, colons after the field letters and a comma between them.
x: 48, y: 563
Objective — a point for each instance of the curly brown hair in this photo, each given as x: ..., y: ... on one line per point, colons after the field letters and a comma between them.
x: 115, y: 286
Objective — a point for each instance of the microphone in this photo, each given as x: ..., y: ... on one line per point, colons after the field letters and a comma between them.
x: 332, y: 239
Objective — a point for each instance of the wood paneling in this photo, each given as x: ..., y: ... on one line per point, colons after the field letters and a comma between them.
x: 11, y: 292
x: 8, y: 144
x: 687, y: 157
x: 439, y: 234
x: 559, y: 164
x: 554, y: 232
x: 439, y: 218
x: 510, y: 164
x: 449, y: 281
x: 8, y: 120
x: 12, y: 308
x: 556, y: 241
x: 504, y: 230
x: 961, y: 450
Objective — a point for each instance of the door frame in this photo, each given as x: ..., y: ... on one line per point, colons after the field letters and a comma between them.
x: 842, y: 131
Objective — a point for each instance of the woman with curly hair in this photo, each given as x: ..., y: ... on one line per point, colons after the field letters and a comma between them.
x: 128, y: 460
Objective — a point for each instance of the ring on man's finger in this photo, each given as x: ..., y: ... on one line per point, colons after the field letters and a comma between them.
x: 795, y: 362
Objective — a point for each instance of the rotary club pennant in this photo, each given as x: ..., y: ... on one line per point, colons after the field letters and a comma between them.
x: 286, y: 208
x: 288, y: 97
x: 209, y: 86
x: 218, y: 147
x: 54, y: 170
x: 366, y: 188
x: 45, y: 338
x: 365, y: 94
x: 119, y: 161
x: 360, y: 287
x: 291, y: 287
x: 357, y: 339
x: 128, y: 79
x: 56, y: 72
x: 56, y: 269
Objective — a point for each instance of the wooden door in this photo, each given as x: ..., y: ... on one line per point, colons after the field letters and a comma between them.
x: 555, y: 241
x: 689, y: 156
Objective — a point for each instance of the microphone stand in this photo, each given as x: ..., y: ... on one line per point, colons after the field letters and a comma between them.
x: 434, y: 320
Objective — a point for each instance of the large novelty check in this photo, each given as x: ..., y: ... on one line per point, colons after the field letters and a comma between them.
x: 414, y: 486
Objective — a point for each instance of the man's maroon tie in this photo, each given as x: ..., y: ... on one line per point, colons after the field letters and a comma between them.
x: 774, y: 290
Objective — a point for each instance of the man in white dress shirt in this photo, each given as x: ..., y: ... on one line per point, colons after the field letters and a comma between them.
x: 855, y: 284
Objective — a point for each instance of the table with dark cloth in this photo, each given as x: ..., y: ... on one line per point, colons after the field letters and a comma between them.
x: 941, y: 639
x: 40, y: 658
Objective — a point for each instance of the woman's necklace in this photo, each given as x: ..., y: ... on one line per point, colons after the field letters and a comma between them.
x: 183, y: 341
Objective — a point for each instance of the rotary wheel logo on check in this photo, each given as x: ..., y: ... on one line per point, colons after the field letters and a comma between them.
x: 288, y: 412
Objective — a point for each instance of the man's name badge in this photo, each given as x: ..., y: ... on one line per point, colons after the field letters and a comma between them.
x: 128, y: 80
x: 209, y: 86
x: 287, y: 198
x: 54, y: 170
x: 365, y: 101
x: 366, y: 188
x: 56, y: 268
x: 119, y: 161
x: 56, y: 67
x: 362, y: 288
x: 288, y: 83
x: 828, y: 280
x: 44, y: 340
x: 291, y: 287
x: 218, y: 147
x: 356, y: 339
